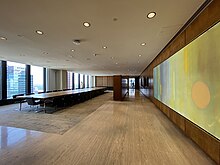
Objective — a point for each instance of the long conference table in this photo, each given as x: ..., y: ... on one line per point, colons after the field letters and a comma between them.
x: 66, y: 97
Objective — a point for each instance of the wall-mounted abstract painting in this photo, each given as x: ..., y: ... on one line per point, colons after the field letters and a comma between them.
x: 189, y: 81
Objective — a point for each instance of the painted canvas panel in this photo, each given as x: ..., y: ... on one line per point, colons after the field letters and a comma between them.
x: 189, y: 81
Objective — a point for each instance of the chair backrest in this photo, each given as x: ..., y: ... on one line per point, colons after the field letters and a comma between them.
x: 14, y: 96
x: 48, y: 91
x: 66, y: 89
x: 30, y: 93
x: 30, y: 101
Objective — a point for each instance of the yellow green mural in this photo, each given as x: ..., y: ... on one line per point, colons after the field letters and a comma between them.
x: 189, y: 81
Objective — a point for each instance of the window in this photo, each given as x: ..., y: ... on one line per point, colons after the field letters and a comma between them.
x: 69, y: 80
x: 86, y: 81
x: 37, y: 79
x: 15, y: 78
x: 93, y: 85
x: 76, y: 80
x: 91, y: 81
x: 0, y: 80
x: 81, y: 81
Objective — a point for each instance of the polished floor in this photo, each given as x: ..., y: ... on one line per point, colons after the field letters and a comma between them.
x: 129, y: 132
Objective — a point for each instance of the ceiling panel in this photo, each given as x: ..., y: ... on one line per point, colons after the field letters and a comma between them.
x: 121, y: 25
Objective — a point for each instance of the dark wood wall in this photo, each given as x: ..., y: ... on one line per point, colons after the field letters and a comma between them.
x: 207, y: 18
x: 120, y: 87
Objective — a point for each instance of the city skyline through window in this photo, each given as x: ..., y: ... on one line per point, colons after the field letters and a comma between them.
x: 15, y: 78
x: 37, y: 82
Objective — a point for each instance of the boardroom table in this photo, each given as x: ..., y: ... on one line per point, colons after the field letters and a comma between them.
x: 65, y: 98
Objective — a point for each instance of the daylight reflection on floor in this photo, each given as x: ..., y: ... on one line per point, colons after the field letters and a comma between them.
x: 10, y: 136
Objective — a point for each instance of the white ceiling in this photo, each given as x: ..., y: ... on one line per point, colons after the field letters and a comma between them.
x: 62, y: 21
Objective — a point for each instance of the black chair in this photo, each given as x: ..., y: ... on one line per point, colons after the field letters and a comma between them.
x: 49, y: 91
x: 30, y: 93
x: 33, y: 102
x: 19, y: 100
x: 66, y: 89
x: 53, y: 103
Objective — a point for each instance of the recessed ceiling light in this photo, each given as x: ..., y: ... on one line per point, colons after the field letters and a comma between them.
x: 72, y: 50
x: 76, y: 42
x: 139, y: 55
x: 71, y: 56
x: 94, y: 54
x: 104, y: 47
x: 143, y: 44
x: 116, y: 63
x: 112, y: 57
x: 151, y: 15
x: 86, y: 24
x: 39, y: 32
x: 3, y: 38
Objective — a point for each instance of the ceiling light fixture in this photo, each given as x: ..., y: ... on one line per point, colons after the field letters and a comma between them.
x: 72, y: 50
x: 143, y: 44
x: 151, y: 15
x: 104, y: 47
x: 39, y: 32
x: 139, y: 55
x: 76, y: 42
x: 116, y: 63
x: 86, y: 24
x: 3, y: 38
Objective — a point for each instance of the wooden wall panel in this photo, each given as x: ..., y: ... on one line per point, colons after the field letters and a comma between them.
x: 99, y: 81
x: 110, y: 81
x: 208, y: 143
x: 177, y: 119
x: 104, y: 81
x: 207, y: 18
x: 117, y: 94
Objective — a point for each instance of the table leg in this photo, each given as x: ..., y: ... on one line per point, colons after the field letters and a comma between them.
x: 20, y: 105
